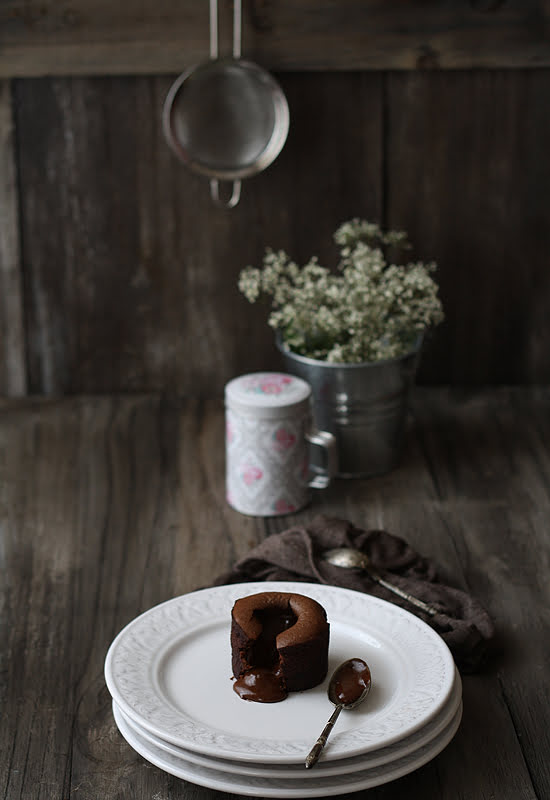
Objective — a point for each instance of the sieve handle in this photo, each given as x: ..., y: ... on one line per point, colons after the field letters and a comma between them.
x: 213, y: 29
x: 237, y: 29
x: 233, y: 199
x: 235, y: 195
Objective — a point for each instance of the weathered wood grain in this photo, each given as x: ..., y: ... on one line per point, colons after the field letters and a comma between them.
x: 472, y: 492
x: 131, y: 271
x: 131, y: 515
x: 13, y: 376
x: 111, y: 505
x: 94, y: 37
x: 489, y: 454
x: 468, y: 177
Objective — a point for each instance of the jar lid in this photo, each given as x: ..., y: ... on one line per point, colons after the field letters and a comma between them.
x: 268, y: 394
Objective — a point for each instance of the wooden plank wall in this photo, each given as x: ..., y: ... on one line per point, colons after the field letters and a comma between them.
x: 117, y: 273
x: 13, y: 374
x: 129, y: 271
x: 91, y: 37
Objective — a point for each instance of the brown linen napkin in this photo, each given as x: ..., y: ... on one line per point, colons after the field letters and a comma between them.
x: 295, y: 555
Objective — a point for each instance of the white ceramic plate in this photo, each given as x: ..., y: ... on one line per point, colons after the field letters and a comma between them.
x: 169, y: 670
x: 287, y: 787
x: 343, y: 765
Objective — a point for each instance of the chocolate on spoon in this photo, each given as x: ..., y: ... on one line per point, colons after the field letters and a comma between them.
x: 348, y: 687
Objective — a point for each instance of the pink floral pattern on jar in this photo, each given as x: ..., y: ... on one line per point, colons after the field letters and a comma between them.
x: 283, y: 439
x: 282, y: 506
x: 251, y: 474
x: 268, y: 384
x: 229, y: 433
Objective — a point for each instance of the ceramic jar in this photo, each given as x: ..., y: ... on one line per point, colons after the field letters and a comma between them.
x: 269, y: 434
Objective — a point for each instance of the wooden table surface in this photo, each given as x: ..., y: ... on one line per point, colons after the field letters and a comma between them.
x: 109, y: 506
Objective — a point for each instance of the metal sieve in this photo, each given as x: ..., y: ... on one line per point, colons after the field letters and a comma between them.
x: 226, y: 118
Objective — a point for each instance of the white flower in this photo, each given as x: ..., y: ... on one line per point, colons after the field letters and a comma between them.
x: 366, y: 311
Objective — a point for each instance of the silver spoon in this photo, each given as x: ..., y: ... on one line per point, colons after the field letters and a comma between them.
x: 349, y: 685
x: 349, y: 557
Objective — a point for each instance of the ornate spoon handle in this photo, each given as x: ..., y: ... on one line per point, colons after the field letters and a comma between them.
x: 315, y: 751
x: 400, y: 592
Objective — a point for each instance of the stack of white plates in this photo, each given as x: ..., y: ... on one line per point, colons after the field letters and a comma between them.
x: 169, y: 674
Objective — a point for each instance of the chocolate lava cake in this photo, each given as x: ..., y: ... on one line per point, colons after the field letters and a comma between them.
x: 279, y: 644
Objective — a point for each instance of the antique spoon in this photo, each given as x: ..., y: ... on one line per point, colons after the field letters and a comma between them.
x: 349, y: 557
x: 349, y: 685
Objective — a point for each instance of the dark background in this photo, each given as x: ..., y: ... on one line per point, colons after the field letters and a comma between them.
x: 119, y: 274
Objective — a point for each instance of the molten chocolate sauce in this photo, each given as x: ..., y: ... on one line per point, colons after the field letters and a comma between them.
x: 261, y: 685
x: 353, y: 679
x: 263, y: 681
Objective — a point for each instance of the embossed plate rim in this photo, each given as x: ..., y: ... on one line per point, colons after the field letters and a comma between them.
x: 322, y: 786
x: 409, y: 744
x: 129, y: 668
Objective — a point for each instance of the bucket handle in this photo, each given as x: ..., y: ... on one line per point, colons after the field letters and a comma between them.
x: 214, y: 52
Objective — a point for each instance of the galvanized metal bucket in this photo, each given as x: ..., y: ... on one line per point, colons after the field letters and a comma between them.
x: 363, y: 405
